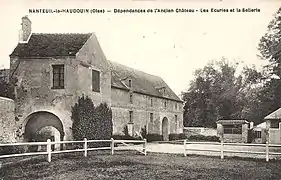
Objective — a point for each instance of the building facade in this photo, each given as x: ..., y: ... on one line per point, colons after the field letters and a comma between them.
x: 236, y: 131
x: 273, y: 127
x: 53, y: 70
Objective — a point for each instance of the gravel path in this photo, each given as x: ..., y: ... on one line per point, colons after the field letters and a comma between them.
x: 205, y: 149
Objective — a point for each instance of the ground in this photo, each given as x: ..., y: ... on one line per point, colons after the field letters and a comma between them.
x: 133, y: 165
x: 208, y: 149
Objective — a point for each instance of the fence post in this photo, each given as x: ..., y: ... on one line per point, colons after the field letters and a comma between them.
x: 85, y: 147
x: 267, y: 152
x: 112, y: 146
x: 144, y: 147
x: 184, y: 145
x: 222, y: 155
x: 49, y: 150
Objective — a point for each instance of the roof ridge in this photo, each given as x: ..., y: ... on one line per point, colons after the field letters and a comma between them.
x: 62, y: 33
x: 113, y: 62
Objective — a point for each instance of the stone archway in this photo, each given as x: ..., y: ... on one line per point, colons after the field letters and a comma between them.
x: 45, y: 123
x: 165, y: 129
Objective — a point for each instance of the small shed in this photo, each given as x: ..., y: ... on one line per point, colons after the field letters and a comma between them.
x: 234, y: 130
x: 259, y: 133
x: 273, y: 121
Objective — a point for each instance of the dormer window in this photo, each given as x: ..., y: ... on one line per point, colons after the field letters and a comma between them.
x: 162, y: 90
x: 130, y: 83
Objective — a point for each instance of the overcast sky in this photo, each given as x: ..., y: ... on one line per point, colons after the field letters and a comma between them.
x: 169, y: 45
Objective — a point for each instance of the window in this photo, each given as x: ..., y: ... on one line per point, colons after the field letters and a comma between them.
x: 151, y: 102
x: 131, y: 98
x: 274, y: 124
x: 176, y: 106
x: 165, y: 104
x: 58, y: 76
x: 151, y: 117
x: 131, y: 116
x: 95, y: 81
x: 232, y: 129
x: 257, y: 134
x: 130, y: 83
x: 176, y: 121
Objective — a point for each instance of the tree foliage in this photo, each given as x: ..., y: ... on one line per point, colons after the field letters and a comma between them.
x: 270, y: 50
x: 91, y: 122
x: 220, y: 91
x: 6, y: 88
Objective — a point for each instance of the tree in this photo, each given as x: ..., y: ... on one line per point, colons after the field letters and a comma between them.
x: 220, y: 91
x: 6, y: 88
x: 91, y: 122
x: 270, y: 46
x: 82, y: 117
x: 103, y: 122
x: 270, y: 50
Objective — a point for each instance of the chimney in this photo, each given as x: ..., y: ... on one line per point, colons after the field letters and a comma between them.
x: 25, y: 29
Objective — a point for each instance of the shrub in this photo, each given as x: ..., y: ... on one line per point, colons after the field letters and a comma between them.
x: 182, y: 136
x: 204, y: 138
x: 125, y: 137
x: 126, y: 131
x: 154, y: 137
x: 7, y: 88
x: 173, y: 137
x: 5, y: 150
x: 91, y: 122
x: 143, y: 132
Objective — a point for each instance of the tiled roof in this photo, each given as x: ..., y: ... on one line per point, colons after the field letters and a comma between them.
x: 141, y: 81
x: 51, y: 45
x: 274, y: 115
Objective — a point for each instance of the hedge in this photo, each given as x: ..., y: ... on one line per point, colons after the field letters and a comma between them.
x: 154, y: 137
x: 173, y: 137
x: 5, y: 150
x: 204, y: 138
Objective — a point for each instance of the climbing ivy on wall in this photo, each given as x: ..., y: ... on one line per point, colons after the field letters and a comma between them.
x: 91, y: 122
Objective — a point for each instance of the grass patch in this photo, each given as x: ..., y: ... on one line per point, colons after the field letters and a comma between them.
x: 132, y: 165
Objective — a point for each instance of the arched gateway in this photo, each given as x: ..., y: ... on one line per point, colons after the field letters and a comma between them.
x: 41, y: 125
x: 165, y: 131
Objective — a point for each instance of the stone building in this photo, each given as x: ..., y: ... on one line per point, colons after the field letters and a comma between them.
x: 53, y: 70
x: 273, y: 127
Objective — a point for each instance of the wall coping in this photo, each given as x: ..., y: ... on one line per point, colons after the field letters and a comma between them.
x: 6, y: 99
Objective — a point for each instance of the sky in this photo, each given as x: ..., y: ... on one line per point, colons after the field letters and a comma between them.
x: 170, y: 45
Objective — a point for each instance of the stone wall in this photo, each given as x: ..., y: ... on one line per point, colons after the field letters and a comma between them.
x: 189, y: 131
x: 141, y: 107
x: 34, y: 91
x: 91, y: 57
x: 7, y: 120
